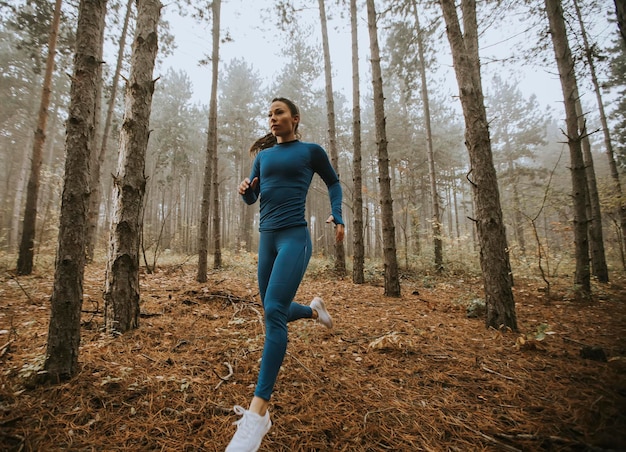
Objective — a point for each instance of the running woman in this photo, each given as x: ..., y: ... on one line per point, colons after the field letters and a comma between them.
x: 281, y: 175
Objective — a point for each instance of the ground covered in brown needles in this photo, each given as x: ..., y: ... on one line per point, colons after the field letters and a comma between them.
x: 407, y: 374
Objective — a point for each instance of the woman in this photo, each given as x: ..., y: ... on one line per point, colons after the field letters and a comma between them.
x: 281, y: 175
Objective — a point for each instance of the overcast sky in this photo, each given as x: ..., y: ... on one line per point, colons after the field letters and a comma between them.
x: 254, y: 41
x: 259, y: 44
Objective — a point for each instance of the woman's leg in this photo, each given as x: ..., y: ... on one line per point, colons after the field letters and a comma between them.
x: 293, y: 251
x: 296, y: 310
x: 267, y: 255
x: 283, y: 258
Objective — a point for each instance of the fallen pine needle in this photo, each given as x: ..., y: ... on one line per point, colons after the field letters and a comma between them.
x: 486, y: 369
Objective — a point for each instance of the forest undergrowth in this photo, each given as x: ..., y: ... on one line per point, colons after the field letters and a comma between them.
x: 403, y: 374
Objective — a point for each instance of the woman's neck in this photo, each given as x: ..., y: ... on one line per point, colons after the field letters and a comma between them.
x: 286, y: 138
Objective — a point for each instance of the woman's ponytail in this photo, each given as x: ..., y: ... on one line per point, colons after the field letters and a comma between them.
x: 264, y: 142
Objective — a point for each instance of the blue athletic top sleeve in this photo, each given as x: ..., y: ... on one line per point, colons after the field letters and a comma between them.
x: 285, y: 172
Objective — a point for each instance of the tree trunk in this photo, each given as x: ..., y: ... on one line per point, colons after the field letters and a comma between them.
x: 569, y: 87
x: 96, y: 170
x: 122, y: 290
x: 358, y: 256
x: 455, y: 197
x: 340, y: 252
x: 18, y: 196
x: 436, y: 217
x: 94, y: 165
x: 617, y: 187
x: 217, y: 251
x: 48, y: 199
x: 494, y: 257
x: 67, y: 293
x: 205, y: 209
x: 29, y: 225
x: 392, y: 279
x: 518, y: 220
x: 596, y: 236
x: 620, y: 11
x: 244, y: 228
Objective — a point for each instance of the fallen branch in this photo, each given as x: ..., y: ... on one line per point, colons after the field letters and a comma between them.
x: 5, y: 347
x: 376, y: 411
x: 217, y: 407
x: 180, y: 265
x: 487, y: 437
x: 574, y: 341
x: 149, y: 358
x: 227, y: 377
x: 20, y: 286
x: 252, y: 308
x: 94, y: 311
x: 230, y: 298
x: 304, y: 367
x: 147, y: 315
x: 540, y: 438
x: 259, y: 315
x: 10, y: 420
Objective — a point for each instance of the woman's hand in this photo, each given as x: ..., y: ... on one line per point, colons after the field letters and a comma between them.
x: 245, y: 184
x: 340, y: 229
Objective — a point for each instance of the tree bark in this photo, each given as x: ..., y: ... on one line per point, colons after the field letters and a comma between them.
x: 205, y: 207
x: 66, y: 301
x: 212, y: 151
x: 596, y: 236
x: 340, y: 252
x: 29, y: 225
x: 617, y: 187
x: 21, y: 186
x: 94, y: 165
x: 96, y: 170
x: 494, y: 257
x: 436, y: 217
x: 358, y: 256
x: 518, y: 219
x: 569, y: 87
x: 122, y: 290
x: 620, y: 11
x: 392, y: 279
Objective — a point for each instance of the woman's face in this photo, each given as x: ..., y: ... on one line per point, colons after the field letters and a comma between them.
x: 282, y: 122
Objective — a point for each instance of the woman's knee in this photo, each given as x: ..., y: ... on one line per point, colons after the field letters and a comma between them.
x: 275, y: 316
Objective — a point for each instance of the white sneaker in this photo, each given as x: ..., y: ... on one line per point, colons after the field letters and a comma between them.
x: 251, y: 429
x: 323, y: 316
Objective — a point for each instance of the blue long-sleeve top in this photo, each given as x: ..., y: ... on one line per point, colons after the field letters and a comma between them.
x: 285, y: 172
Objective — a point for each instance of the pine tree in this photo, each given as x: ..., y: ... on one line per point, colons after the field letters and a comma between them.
x: 494, y: 257
x: 67, y: 294
x: 574, y: 137
x: 392, y: 277
x: 122, y: 290
x: 27, y: 246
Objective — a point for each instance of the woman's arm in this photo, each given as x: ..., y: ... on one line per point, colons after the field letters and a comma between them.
x: 249, y: 188
x: 322, y: 166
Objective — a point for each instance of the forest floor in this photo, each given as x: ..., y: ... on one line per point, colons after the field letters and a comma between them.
x: 402, y: 374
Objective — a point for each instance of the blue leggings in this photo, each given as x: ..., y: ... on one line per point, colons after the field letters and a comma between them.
x: 283, y: 258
